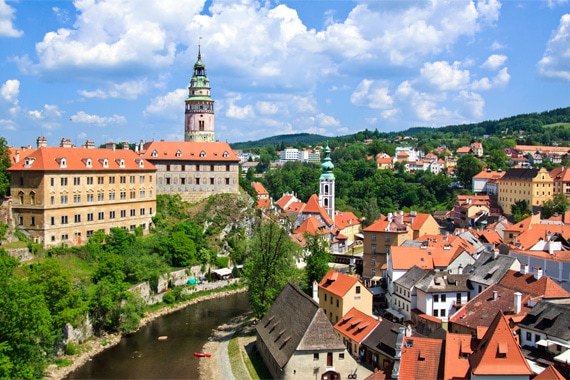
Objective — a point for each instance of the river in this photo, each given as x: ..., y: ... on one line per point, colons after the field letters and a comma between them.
x: 143, y: 356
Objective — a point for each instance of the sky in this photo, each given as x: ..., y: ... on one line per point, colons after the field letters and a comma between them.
x: 118, y: 70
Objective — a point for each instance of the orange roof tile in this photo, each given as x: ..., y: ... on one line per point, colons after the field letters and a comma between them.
x: 338, y: 283
x: 543, y: 287
x: 343, y: 219
x: 498, y: 353
x: 284, y: 200
x: 264, y: 203
x: 550, y: 373
x: 421, y: 358
x: 187, y: 150
x: 82, y: 159
x: 457, y: 351
x: 313, y: 207
x: 356, y: 325
x: 311, y: 226
x: 259, y: 189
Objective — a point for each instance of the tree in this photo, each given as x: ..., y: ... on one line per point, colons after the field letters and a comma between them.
x: 467, y: 167
x: 520, y: 210
x: 371, y: 212
x: 554, y: 206
x: 317, y: 261
x: 269, y: 265
x: 4, y: 165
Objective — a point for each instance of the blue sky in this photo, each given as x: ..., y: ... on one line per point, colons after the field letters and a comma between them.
x: 118, y: 70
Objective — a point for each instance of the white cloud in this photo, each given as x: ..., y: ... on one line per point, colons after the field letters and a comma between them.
x: 493, y: 62
x: 126, y: 90
x: 326, y: 120
x: 267, y: 108
x: 237, y: 112
x: 496, y: 45
x: 371, y: 94
x: 7, y: 28
x: 100, y: 121
x: 445, y: 76
x: 10, y: 91
x: 489, y: 10
x: 171, y: 104
x: 472, y: 103
x: 49, y: 111
x: 555, y: 62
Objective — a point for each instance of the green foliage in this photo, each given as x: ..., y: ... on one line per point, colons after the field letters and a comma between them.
x: 222, y: 261
x: 269, y: 265
x: 317, y: 260
x: 169, y: 298
x: 556, y: 206
x: 71, y: 349
x: 467, y: 166
x: 520, y: 210
x: 118, y: 240
x: 4, y: 165
x: 54, y: 283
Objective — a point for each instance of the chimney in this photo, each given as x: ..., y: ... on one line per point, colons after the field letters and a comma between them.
x: 41, y: 142
x: 398, y: 355
x: 17, y: 156
x: 537, y: 273
x: 518, y: 302
x: 495, y: 295
x: 524, y: 268
x: 495, y: 254
x: 315, y: 291
x: 460, y: 269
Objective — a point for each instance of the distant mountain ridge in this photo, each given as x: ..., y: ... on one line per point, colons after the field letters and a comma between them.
x: 530, y: 123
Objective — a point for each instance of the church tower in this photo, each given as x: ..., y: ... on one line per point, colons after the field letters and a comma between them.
x: 199, y: 113
x: 326, y: 188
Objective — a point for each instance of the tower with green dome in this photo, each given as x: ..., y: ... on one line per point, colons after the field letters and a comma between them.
x: 199, y: 110
x: 326, y: 188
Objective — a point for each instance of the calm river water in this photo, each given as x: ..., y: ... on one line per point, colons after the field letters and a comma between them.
x: 143, y: 356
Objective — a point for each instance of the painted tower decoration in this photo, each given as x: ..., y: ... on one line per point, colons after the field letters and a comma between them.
x: 326, y: 180
x: 199, y: 114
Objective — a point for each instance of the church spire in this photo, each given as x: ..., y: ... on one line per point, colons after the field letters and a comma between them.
x: 327, y: 185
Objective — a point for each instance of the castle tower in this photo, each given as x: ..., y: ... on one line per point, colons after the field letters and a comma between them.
x: 326, y: 187
x: 199, y: 112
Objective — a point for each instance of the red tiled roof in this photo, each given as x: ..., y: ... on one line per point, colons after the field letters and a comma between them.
x: 264, y: 203
x: 77, y: 159
x: 259, y: 189
x: 422, y: 358
x: 356, y: 325
x: 313, y: 207
x: 214, y: 151
x: 311, y: 226
x: 343, y: 219
x: 550, y: 373
x: 282, y: 202
x: 338, y: 283
x: 498, y: 353
x: 543, y: 287
x: 457, y: 351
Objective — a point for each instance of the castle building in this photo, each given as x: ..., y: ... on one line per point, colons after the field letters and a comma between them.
x: 199, y: 110
x: 62, y: 195
x: 195, y: 170
x: 199, y: 166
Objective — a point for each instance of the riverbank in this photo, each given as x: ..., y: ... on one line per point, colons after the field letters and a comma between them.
x: 96, y: 345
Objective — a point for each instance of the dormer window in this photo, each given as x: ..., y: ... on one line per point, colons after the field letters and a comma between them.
x: 105, y: 163
x: 141, y: 163
x: 226, y: 154
x: 121, y: 162
x: 62, y: 162
x: 202, y: 154
x: 28, y: 162
x: 154, y: 153
x: 178, y: 153
x: 88, y: 163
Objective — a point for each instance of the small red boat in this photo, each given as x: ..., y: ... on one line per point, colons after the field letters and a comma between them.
x: 202, y: 355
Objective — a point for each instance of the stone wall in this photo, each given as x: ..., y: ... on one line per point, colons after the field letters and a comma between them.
x: 78, y: 334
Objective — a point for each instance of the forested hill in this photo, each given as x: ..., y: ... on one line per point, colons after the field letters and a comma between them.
x: 540, y: 128
x: 304, y: 138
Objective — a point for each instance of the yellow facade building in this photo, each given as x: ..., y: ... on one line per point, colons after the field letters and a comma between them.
x: 533, y: 185
x: 62, y: 195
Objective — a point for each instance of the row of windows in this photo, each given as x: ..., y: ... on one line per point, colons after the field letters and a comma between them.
x: 90, y: 198
x: 439, y: 313
x: 90, y: 233
x: 197, y: 168
x: 63, y: 181
x: 195, y: 181
x: 90, y: 217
